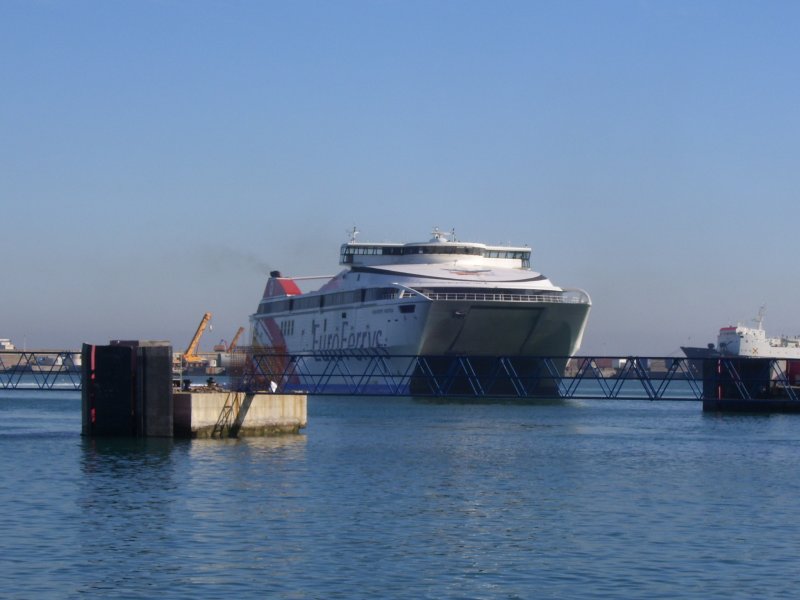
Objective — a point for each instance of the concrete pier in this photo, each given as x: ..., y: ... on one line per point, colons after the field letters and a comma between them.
x: 237, y: 414
x: 127, y: 391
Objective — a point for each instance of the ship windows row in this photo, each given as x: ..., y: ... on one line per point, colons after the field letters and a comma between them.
x: 349, y: 251
x: 317, y: 301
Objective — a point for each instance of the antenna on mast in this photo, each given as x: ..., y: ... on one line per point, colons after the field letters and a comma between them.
x: 353, y: 234
x: 760, y: 318
x: 438, y: 235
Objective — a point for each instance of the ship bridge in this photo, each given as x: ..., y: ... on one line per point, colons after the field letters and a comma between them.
x: 355, y: 253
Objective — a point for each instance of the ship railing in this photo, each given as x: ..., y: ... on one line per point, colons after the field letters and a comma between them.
x: 564, y: 296
x: 570, y: 297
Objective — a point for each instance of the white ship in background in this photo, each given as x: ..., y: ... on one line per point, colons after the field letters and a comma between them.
x: 437, y: 298
x: 752, y: 342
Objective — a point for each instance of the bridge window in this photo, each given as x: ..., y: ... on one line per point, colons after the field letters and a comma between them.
x: 343, y: 298
x: 309, y: 302
x: 374, y: 294
x: 275, y: 306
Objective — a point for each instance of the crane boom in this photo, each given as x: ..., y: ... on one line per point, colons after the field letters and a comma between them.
x: 189, y: 355
x: 235, y: 339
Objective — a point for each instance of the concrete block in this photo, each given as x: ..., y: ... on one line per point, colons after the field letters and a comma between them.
x: 235, y: 414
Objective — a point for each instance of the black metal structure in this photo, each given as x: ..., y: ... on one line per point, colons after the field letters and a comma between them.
x: 521, y: 376
x: 579, y: 377
x: 41, y: 370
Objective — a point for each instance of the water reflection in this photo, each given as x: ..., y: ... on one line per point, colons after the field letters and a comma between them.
x: 126, y: 514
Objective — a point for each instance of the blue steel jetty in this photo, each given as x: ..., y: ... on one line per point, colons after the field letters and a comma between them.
x: 587, y: 377
x: 714, y: 381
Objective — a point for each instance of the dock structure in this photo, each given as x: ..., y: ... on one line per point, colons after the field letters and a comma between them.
x: 218, y: 414
x: 751, y: 385
x: 127, y: 391
x: 481, y: 376
x: 720, y: 383
x: 40, y: 369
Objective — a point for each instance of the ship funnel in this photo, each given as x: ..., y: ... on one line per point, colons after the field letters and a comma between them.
x: 274, y: 273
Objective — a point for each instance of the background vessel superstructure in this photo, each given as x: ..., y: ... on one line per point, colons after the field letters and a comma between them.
x: 740, y: 340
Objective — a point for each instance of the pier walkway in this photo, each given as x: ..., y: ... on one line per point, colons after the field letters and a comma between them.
x: 579, y: 377
x: 40, y: 370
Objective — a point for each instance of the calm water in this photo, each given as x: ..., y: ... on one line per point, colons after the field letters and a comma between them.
x: 393, y: 498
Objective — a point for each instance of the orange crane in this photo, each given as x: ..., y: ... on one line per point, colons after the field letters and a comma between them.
x: 190, y: 356
x: 233, y: 343
x: 223, y: 346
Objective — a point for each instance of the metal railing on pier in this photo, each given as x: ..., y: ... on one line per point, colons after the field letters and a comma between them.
x: 365, y: 373
x: 580, y: 377
x: 40, y: 370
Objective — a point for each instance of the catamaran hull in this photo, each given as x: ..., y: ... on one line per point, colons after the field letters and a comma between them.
x: 341, y: 341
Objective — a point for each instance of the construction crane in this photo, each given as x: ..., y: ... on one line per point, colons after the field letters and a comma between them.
x: 223, y: 346
x: 190, y: 356
x: 235, y: 339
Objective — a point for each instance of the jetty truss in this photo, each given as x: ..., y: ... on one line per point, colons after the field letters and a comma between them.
x: 40, y: 370
x: 522, y: 377
x: 586, y: 377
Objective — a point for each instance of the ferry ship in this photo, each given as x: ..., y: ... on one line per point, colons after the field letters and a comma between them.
x: 443, y: 297
x: 741, y: 341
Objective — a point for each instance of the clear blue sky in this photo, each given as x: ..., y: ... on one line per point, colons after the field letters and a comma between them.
x: 157, y: 158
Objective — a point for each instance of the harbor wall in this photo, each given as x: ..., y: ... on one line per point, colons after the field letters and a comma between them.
x: 238, y: 414
x: 127, y: 391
